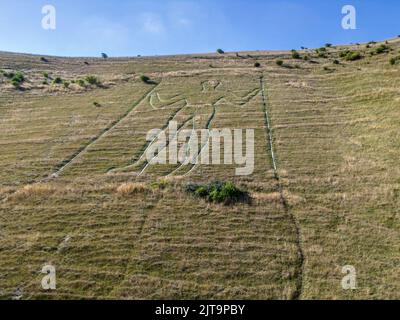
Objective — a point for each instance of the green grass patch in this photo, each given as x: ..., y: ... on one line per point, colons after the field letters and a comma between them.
x: 219, y: 192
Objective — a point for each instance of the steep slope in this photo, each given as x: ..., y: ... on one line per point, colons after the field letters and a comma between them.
x: 76, y: 191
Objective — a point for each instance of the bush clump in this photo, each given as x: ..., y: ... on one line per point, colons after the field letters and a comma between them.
x: 279, y: 63
x: 394, y: 60
x: 382, y: 49
x: 219, y: 192
x: 17, y: 79
x: 220, y: 51
x: 350, y: 55
x: 8, y: 75
x: 257, y: 65
x: 321, y: 52
x: 93, y: 80
x: 146, y: 79
x: 58, y: 80
x: 81, y: 82
x: 295, y: 55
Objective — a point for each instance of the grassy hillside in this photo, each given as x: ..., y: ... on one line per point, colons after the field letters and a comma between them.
x: 77, y: 193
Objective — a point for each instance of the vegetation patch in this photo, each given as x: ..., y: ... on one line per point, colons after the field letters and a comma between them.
x: 58, y: 80
x: 382, y: 49
x: 394, y: 60
x: 321, y: 52
x: 17, y: 79
x: 351, y: 55
x: 160, y: 184
x: 92, y: 80
x: 8, y: 75
x: 146, y: 79
x: 295, y: 55
x: 219, y: 192
x: 128, y: 189
x: 35, y: 190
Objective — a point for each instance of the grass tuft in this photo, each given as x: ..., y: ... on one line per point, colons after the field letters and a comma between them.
x: 128, y: 189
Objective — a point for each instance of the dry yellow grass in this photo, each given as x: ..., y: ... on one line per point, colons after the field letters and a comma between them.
x: 127, y: 189
x: 34, y: 190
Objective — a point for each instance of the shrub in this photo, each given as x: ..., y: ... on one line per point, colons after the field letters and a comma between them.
x: 220, y: 51
x: 161, y: 184
x: 57, y: 80
x: 382, y: 49
x: 394, y: 60
x: 92, y: 80
x: 46, y: 75
x: 43, y: 59
x: 201, y: 192
x: 96, y: 104
x: 145, y: 79
x: 81, y: 82
x: 295, y: 55
x: 104, y: 55
x: 9, y: 75
x: 321, y: 52
x: 219, y: 192
x: 279, y: 63
x: 257, y: 65
x: 353, y: 55
x: 6, y: 74
x: 66, y: 84
x: 336, y: 62
x: 328, y: 45
x: 17, y: 79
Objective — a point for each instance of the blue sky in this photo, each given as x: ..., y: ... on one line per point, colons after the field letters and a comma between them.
x: 157, y: 27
